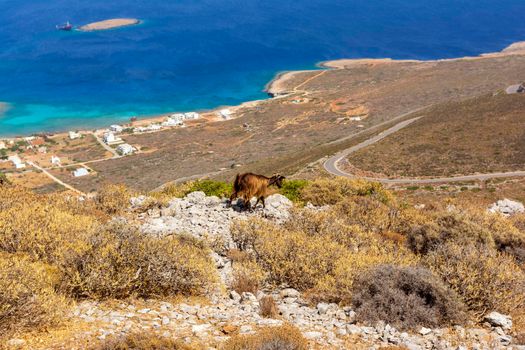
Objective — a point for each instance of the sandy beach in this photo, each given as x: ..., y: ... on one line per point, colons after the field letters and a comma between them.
x: 109, y: 24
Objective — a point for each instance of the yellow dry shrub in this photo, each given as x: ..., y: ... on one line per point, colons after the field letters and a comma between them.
x: 330, y: 225
x: 485, y: 279
x: 285, y: 337
x: 124, y: 262
x: 143, y: 341
x: 170, y: 191
x: 27, y: 297
x: 337, y: 286
x: 113, y: 199
x: 333, y: 190
x: 44, y: 231
x: 369, y: 214
x: 248, y: 276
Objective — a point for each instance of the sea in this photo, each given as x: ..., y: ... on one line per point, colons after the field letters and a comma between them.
x: 191, y: 55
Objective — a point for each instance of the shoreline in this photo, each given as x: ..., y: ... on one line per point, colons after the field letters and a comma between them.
x: 276, y: 87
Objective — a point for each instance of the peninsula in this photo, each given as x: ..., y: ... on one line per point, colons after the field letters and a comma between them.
x: 109, y: 24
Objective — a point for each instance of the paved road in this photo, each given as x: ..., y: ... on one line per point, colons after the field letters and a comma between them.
x: 331, y: 165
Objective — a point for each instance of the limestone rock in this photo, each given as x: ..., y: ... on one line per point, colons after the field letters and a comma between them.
x: 499, y: 320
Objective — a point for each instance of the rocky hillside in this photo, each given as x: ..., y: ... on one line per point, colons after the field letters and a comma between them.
x: 348, y: 266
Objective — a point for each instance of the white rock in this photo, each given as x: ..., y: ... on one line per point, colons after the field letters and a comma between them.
x: 425, y: 331
x: 290, y: 293
x: 322, y: 308
x: 245, y: 329
x: 499, y: 320
x: 200, y: 329
x: 313, y: 335
x: 507, y: 207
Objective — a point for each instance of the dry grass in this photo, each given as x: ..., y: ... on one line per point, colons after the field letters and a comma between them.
x: 28, y: 300
x: 248, y: 276
x: 268, y: 307
x: 113, y: 199
x: 143, y: 341
x: 285, y: 337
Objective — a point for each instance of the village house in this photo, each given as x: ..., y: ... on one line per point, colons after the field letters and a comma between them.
x: 2, y: 145
x: 125, y: 149
x: 116, y: 128
x: 17, y: 162
x: 80, y: 172
x: 172, y: 122
x: 191, y: 116
x: 225, y: 114
x: 74, y: 135
x: 55, y: 161
x: 355, y: 119
x: 42, y: 149
x: 110, y: 138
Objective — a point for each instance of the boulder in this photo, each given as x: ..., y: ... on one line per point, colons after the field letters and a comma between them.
x: 499, y: 320
x: 507, y: 207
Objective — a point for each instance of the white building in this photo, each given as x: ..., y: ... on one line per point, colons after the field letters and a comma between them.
x: 125, y: 149
x: 172, y: 122
x: 110, y: 138
x: 355, y: 119
x: 192, y: 115
x: 74, y: 135
x: 154, y: 127
x: 17, y: 162
x: 116, y: 128
x: 55, y: 161
x: 80, y: 172
x: 2, y: 145
x: 225, y: 113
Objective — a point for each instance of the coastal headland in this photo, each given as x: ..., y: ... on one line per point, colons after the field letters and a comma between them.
x: 109, y: 24
x: 316, y: 113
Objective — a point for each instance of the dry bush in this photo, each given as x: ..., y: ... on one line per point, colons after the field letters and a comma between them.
x: 314, y: 261
x: 460, y: 228
x: 113, y: 199
x: 268, y: 307
x: 124, y: 262
x: 369, y: 214
x: 142, y: 341
x: 247, y: 277
x: 333, y: 190
x: 507, y: 233
x: 406, y: 297
x: 44, y: 231
x: 338, y: 286
x: 284, y: 337
x: 485, y: 279
x: 27, y: 297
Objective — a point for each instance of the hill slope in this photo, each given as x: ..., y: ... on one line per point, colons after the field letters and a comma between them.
x: 482, y: 134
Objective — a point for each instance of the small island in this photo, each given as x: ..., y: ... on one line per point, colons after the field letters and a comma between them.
x: 109, y: 24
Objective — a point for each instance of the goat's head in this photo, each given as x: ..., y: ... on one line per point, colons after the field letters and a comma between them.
x: 276, y: 180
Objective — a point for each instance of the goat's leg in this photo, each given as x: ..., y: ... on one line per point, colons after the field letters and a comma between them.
x: 247, y: 205
x: 258, y: 200
x: 232, y: 197
x: 263, y: 202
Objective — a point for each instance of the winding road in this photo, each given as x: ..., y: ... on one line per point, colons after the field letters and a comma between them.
x: 331, y: 165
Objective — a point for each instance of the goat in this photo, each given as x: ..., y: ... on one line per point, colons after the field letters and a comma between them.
x: 249, y: 185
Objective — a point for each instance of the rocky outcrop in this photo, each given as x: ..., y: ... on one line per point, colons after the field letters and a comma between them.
x: 507, y: 207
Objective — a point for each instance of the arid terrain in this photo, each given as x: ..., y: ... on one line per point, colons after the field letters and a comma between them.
x: 286, y: 133
x: 480, y: 135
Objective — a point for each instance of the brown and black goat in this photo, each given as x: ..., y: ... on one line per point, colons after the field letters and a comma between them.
x: 249, y: 185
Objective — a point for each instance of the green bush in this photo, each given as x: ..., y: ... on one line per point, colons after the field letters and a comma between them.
x: 292, y: 189
x: 211, y: 188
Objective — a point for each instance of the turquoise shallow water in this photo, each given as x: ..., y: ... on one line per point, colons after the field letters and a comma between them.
x: 192, y: 55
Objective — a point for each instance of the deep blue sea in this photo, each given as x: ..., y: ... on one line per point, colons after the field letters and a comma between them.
x: 199, y: 54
